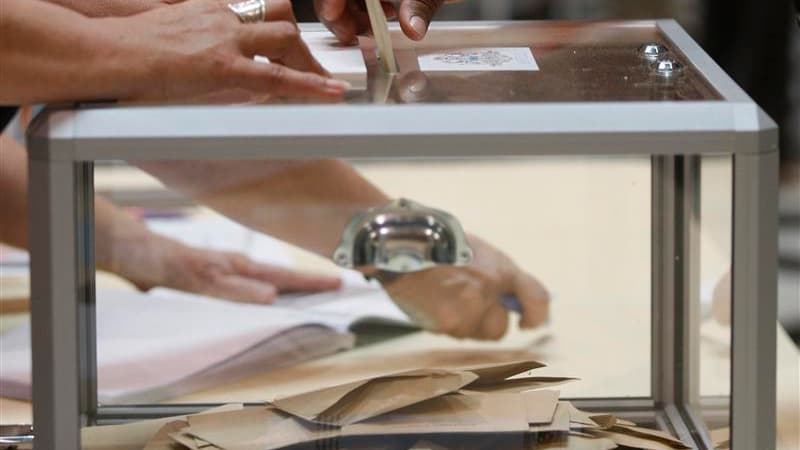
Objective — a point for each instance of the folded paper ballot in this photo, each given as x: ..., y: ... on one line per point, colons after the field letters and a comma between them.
x: 424, y: 409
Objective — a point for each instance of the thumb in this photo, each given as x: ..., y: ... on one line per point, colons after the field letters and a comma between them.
x: 416, y: 16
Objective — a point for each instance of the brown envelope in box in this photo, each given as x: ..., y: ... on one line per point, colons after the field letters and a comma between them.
x: 579, y: 442
x: 360, y: 400
x: 451, y: 413
x: 632, y: 441
x: 465, y: 413
x: 519, y: 384
x: 191, y: 442
x: 489, y: 374
x: 580, y: 419
x: 132, y: 436
x: 269, y: 428
x: 259, y: 428
x: 559, y: 418
x: 419, y: 401
x: 650, y: 434
x: 162, y: 440
x: 540, y: 406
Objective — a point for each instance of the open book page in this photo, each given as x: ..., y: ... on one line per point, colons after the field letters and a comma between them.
x: 358, y: 300
x: 220, y: 233
x: 167, y: 343
x: 153, y: 347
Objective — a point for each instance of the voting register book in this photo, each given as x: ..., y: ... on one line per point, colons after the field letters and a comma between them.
x: 163, y: 344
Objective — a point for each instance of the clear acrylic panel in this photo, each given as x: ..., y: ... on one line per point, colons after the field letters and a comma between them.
x: 580, y: 225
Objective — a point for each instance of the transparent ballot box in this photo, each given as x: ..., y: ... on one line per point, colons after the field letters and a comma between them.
x: 594, y: 230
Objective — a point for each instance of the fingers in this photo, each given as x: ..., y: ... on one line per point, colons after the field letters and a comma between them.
x: 330, y: 10
x: 339, y: 17
x: 281, y: 43
x: 494, y: 323
x: 280, y: 81
x: 240, y: 289
x: 280, y: 11
x: 286, y: 280
x: 473, y: 310
x: 389, y: 10
x: 416, y: 16
x: 481, y: 318
x: 534, y: 299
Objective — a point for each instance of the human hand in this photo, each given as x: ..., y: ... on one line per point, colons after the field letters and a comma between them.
x: 228, y: 275
x: 466, y: 301
x: 348, y: 18
x: 198, y: 50
x: 112, y: 8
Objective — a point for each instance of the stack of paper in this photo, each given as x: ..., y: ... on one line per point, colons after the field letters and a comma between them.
x: 485, y: 407
x: 163, y: 344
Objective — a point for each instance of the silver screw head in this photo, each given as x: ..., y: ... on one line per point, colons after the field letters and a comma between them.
x: 652, y: 51
x: 668, y: 68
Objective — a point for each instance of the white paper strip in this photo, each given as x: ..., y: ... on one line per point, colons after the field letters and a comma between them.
x: 480, y: 59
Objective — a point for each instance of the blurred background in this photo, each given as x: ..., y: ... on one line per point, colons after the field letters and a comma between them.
x: 756, y: 42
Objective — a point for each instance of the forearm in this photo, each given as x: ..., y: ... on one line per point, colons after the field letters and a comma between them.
x: 122, y: 243
x: 307, y: 203
x: 126, y: 246
x: 108, y: 8
x: 13, y: 193
x: 50, y: 53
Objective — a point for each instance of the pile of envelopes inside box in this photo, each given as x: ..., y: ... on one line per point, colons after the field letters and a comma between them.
x: 486, y: 407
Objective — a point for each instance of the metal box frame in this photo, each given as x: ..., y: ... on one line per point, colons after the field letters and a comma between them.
x: 64, y: 144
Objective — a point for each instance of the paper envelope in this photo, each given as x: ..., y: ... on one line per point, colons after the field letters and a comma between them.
x: 133, y: 436
x: 452, y: 413
x: 489, y: 374
x: 182, y: 437
x: 519, y: 384
x: 579, y: 442
x: 162, y: 440
x: 270, y: 428
x: 261, y: 428
x: 360, y: 400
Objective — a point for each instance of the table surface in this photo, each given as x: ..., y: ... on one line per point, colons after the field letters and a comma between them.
x: 590, y: 212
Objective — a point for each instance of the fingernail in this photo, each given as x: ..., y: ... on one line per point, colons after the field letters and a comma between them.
x: 337, y: 85
x: 420, y: 26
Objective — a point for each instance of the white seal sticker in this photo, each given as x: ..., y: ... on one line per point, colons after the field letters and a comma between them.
x: 480, y: 59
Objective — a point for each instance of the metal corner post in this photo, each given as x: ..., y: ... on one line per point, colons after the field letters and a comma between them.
x: 675, y: 256
x: 663, y: 286
x: 754, y: 292
x: 62, y: 308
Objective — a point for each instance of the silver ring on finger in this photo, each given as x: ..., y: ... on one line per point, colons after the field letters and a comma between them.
x: 250, y: 11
